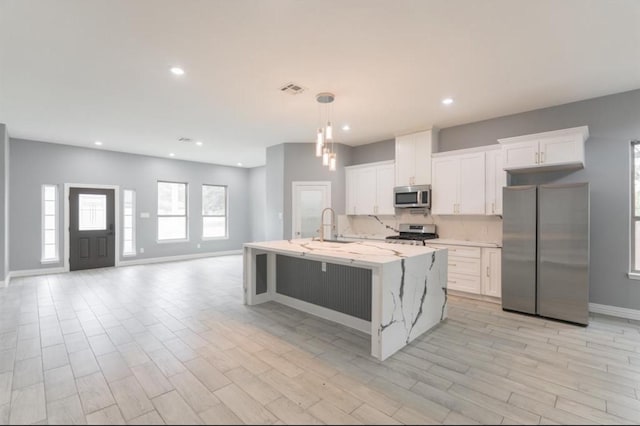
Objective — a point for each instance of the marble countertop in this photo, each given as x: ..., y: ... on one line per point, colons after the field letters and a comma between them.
x: 445, y: 241
x: 365, y: 253
x: 449, y: 242
x: 374, y: 237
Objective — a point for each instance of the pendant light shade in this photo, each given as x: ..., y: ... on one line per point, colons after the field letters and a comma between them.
x: 324, y: 137
x: 319, y: 144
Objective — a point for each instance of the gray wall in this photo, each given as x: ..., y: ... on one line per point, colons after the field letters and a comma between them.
x: 36, y: 163
x: 274, y: 173
x: 613, y: 122
x: 4, y: 202
x: 301, y: 164
x: 258, y: 194
x: 370, y: 153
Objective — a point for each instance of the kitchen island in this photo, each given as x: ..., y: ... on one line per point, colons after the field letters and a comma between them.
x: 394, y: 293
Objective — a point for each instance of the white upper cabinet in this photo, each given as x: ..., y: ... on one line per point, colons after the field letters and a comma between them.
x: 472, y: 189
x: 556, y: 150
x: 444, y: 185
x: 413, y: 158
x: 496, y: 179
x: 458, y: 184
x: 370, y: 189
x: 385, y: 181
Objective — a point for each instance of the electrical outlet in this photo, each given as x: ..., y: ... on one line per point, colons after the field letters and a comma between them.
x: 141, y: 249
x: 198, y: 245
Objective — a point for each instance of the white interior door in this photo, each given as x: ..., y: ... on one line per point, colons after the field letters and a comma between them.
x: 309, y: 199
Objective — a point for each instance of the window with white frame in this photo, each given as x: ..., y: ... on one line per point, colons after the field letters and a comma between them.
x: 49, y: 223
x: 172, y: 211
x: 635, y: 207
x: 214, y: 211
x: 129, y: 228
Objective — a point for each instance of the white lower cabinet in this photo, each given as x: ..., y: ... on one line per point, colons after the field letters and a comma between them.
x: 474, y: 270
x: 492, y: 272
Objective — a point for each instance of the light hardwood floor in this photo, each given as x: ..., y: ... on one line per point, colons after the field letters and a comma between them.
x: 173, y: 343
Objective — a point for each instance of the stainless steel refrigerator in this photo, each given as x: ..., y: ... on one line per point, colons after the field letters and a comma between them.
x: 545, y: 251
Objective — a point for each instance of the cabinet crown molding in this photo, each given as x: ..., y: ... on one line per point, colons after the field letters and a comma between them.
x: 582, y: 130
x: 484, y: 148
x: 374, y: 164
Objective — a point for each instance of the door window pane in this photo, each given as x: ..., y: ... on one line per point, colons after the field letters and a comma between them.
x: 129, y: 226
x: 49, y: 236
x: 311, y: 205
x: 92, y: 212
x: 50, y: 251
x: 49, y: 223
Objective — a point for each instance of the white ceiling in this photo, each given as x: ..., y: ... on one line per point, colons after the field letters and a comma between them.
x: 75, y: 71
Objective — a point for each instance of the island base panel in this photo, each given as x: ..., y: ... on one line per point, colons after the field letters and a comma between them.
x: 341, y: 288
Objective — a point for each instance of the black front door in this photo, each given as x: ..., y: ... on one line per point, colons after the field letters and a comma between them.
x: 91, y: 228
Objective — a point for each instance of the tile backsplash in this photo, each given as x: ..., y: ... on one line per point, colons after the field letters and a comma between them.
x: 470, y: 228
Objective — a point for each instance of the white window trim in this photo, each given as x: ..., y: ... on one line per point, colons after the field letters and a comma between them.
x: 56, y: 221
x: 226, y: 214
x: 633, y: 273
x: 133, y: 223
x: 67, y: 187
x: 186, y: 214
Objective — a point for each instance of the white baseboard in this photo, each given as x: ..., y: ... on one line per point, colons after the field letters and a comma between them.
x: 60, y: 269
x: 34, y: 272
x: 178, y: 258
x: 328, y: 314
x: 615, y: 311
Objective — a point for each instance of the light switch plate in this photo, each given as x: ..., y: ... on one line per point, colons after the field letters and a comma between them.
x: 144, y: 215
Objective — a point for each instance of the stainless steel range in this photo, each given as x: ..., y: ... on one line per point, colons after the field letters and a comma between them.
x: 415, y: 235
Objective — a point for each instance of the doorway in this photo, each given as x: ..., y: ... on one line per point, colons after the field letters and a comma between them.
x: 308, y: 201
x: 91, y: 216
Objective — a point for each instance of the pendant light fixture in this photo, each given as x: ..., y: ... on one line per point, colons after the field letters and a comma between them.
x: 324, y: 139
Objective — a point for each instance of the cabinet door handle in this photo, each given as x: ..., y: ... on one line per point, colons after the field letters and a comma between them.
x: 536, y: 158
x: 452, y: 264
x: 453, y: 282
x: 493, y: 207
x: 488, y: 272
x: 542, y: 157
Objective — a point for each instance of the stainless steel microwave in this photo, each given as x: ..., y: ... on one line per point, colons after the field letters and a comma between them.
x: 416, y: 196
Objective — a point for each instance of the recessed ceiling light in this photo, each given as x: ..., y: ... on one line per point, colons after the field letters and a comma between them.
x: 447, y: 101
x: 199, y: 143
x: 177, y: 71
x: 240, y: 164
x: 97, y: 143
x: 171, y: 154
x: 346, y: 128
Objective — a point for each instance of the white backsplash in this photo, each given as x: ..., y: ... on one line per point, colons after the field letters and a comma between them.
x: 468, y: 228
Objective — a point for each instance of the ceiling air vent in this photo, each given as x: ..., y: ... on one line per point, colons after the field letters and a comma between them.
x: 292, y: 88
x: 188, y: 140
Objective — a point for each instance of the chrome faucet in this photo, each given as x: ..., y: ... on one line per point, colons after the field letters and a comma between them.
x: 322, y: 224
